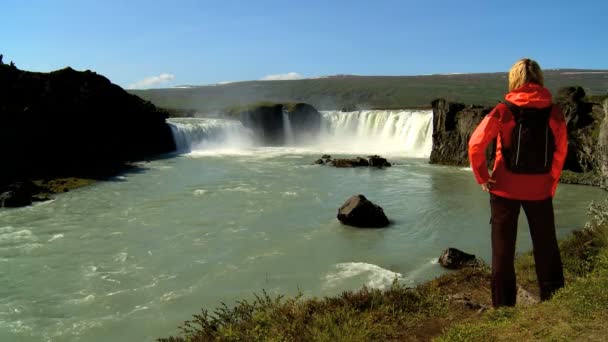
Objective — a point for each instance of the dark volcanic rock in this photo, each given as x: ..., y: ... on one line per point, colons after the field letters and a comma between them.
x: 377, y: 161
x: 373, y: 161
x: 73, y: 123
x: 269, y: 122
x: 326, y: 158
x: 453, y: 259
x: 583, y: 120
x: 266, y: 121
x: 354, y: 162
x: 19, y: 194
x: 358, y: 211
x: 453, y: 124
x: 304, y: 119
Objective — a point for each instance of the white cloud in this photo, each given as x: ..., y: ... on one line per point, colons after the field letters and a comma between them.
x: 152, y: 81
x: 283, y: 77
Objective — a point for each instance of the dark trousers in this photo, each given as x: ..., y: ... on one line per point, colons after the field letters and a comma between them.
x: 546, y: 252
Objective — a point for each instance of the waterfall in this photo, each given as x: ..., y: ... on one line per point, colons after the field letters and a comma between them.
x: 287, y: 130
x: 402, y: 132
x: 192, y: 134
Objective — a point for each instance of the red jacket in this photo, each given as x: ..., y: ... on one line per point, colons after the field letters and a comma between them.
x: 511, y: 185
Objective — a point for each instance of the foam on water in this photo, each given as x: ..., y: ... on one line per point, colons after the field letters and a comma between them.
x: 15, y: 237
x: 200, y: 192
x: 55, y: 237
x: 373, y: 276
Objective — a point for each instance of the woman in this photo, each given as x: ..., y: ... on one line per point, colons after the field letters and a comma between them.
x: 511, y: 188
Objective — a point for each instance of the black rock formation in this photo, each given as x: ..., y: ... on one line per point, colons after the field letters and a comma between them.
x: 453, y: 258
x: 453, y: 124
x: 269, y: 122
x: 71, y: 123
x: 372, y: 161
x: 358, y: 211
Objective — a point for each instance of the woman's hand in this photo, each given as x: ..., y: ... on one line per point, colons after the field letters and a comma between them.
x: 487, y: 186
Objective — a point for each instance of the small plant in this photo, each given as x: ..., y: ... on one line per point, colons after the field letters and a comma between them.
x: 598, y: 223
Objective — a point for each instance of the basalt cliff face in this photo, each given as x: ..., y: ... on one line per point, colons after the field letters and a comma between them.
x: 71, y: 123
x: 276, y: 124
x: 453, y: 124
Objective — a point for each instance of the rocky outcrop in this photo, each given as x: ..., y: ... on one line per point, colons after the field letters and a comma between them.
x: 19, y: 194
x: 379, y: 162
x: 349, y: 162
x: 582, y: 119
x: 71, y: 123
x: 358, y: 211
x: 453, y: 258
x: 372, y: 161
x: 276, y: 124
x: 453, y: 124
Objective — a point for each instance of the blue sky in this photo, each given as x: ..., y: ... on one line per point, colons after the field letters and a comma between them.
x: 167, y: 43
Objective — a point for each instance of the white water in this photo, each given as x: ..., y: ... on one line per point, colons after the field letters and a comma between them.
x: 210, y: 134
x: 406, y: 133
x: 288, y: 130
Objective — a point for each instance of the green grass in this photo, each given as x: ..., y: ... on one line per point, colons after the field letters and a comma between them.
x: 364, y: 315
x: 577, y: 312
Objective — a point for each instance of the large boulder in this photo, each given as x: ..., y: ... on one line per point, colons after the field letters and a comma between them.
x: 453, y: 258
x: 358, y: 211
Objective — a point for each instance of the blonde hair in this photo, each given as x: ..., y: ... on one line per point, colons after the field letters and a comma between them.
x: 524, y: 71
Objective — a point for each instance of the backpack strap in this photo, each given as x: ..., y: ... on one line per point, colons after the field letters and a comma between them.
x: 505, y: 112
x: 515, y: 112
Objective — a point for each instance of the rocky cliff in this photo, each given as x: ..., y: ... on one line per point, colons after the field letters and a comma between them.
x: 453, y: 124
x: 586, y: 119
x: 71, y: 123
x: 273, y: 123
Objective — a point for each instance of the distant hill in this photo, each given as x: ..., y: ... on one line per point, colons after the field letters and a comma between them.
x: 366, y: 92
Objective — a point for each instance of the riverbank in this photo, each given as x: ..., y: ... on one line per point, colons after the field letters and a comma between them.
x: 453, y: 307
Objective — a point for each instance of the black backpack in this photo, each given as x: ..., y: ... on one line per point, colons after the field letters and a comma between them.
x: 532, y: 141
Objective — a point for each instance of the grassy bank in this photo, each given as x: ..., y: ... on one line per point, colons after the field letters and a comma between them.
x: 454, y: 307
